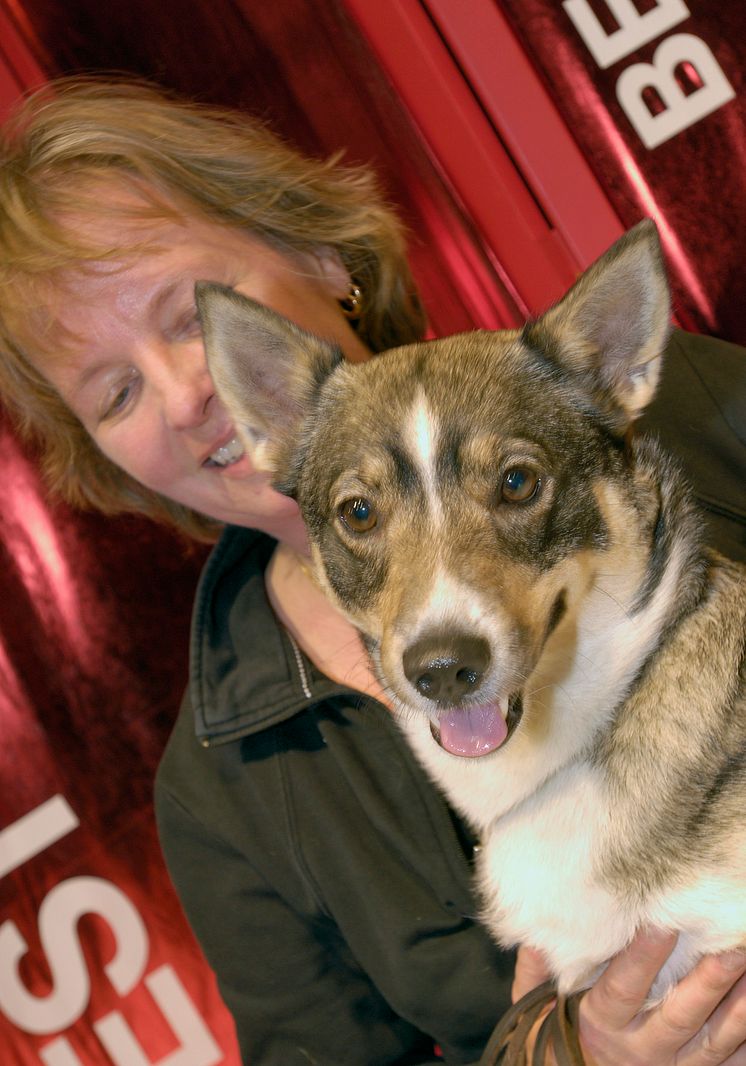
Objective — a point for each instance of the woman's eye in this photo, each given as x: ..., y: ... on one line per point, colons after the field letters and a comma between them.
x: 182, y: 326
x: 519, y: 485
x: 119, y: 399
x: 358, y: 514
x: 189, y: 326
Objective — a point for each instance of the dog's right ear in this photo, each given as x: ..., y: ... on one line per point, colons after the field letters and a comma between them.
x: 267, y: 372
x: 610, y: 329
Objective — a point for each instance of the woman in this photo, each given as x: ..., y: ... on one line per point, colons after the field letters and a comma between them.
x: 327, y: 881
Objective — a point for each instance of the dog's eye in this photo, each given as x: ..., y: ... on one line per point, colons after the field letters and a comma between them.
x: 358, y: 514
x: 519, y: 485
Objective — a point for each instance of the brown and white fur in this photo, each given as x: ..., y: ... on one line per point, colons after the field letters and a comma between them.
x: 480, y: 509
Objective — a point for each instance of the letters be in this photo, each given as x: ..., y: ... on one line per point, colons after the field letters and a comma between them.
x: 680, y: 109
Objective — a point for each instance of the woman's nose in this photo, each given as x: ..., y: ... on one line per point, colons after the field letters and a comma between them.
x: 186, y: 388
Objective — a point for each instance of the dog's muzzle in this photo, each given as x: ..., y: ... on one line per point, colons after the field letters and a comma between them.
x: 447, y: 669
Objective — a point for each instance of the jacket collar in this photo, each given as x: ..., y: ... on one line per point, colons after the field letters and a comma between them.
x: 246, y: 674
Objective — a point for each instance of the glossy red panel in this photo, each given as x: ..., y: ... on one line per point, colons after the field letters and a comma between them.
x: 93, y: 638
x: 657, y: 105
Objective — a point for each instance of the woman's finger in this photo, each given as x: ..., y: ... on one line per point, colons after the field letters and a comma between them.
x: 531, y: 970
x: 697, y: 995
x: 620, y: 992
x: 721, y: 1037
x: 702, y: 1022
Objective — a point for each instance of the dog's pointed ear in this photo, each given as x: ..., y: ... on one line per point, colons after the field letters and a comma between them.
x: 612, y: 326
x: 267, y: 372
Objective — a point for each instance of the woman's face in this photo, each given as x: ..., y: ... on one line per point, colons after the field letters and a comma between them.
x: 137, y: 376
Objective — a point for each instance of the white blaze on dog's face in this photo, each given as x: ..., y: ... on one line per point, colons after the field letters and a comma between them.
x: 449, y: 487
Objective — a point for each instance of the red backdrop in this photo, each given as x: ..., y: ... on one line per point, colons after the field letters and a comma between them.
x: 655, y: 97
x: 609, y: 111
x: 500, y: 135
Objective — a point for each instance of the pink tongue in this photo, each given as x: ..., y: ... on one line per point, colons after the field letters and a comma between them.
x: 472, y: 731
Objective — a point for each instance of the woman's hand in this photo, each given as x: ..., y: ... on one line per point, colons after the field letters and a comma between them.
x: 701, y: 1023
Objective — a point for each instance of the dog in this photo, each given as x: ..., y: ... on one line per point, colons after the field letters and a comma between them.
x: 528, y: 575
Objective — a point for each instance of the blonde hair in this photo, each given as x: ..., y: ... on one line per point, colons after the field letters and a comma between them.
x: 68, y: 138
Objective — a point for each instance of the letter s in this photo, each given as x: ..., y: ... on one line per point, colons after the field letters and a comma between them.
x: 59, y: 913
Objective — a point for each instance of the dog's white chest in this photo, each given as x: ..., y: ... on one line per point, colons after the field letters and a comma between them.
x: 539, y: 877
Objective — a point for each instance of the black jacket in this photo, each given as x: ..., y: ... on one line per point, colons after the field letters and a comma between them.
x: 325, y: 878
x: 323, y: 875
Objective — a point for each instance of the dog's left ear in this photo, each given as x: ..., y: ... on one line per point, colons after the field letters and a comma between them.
x: 266, y: 370
x: 612, y: 326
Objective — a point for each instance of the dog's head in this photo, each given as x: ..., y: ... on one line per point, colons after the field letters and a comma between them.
x: 452, y: 488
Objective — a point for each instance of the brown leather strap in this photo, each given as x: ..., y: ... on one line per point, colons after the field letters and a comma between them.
x: 565, y: 1032
x: 507, y: 1045
x: 544, y: 1040
x: 559, y: 1031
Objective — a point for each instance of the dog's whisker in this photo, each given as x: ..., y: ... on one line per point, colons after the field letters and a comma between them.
x: 614, y: 599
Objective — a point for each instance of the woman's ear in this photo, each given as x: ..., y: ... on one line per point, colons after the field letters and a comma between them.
x: 332, y: 272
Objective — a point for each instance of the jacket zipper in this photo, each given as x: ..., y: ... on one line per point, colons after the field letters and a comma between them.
x: 301, y: 666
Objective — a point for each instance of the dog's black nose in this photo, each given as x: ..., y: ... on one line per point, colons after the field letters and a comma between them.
x: 445, y: 667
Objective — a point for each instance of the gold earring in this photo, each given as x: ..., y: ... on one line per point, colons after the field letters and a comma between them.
x: 352, y: 304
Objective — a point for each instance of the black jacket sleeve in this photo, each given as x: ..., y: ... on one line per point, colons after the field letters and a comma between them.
x: 293, y: 989
x: 699, y: 413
